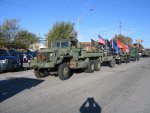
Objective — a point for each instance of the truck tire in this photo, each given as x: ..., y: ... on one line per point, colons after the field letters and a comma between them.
x: 128, y: 60
x: 112, y: 63
x: 40, y: 73
x: 97, y: 65
x: 90, y: 67
x: 134, y: 59
x: 119, y: 62
x: 138, y: 58
x: 63, y: 71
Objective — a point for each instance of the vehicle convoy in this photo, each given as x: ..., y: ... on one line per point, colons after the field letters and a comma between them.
x: 134, y: 54
x: 64, y: 55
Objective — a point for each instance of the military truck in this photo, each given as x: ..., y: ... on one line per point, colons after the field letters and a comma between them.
x: 146, y: 53
x: 122, y: 57
x: 64, y: 55
x: 134, y: 54
x: 108, y: 54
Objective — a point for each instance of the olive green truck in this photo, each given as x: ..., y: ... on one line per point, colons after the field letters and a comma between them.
x: 68, y: 54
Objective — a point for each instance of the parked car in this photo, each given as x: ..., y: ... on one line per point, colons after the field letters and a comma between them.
x: 19, y: 55
x: 8, y: 62
x: 11, y: 51
x: 27, y: 56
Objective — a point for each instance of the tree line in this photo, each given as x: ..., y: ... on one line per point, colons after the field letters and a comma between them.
x: 14, y: 36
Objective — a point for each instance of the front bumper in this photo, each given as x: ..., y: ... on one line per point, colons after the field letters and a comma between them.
x: 41, y: 64
x: 26, y: 65
x: 5, y: 67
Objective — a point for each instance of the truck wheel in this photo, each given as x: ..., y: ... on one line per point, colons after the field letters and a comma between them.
x: 112, y: 63
x: 90, y: 67
x: 138, y: 58
x: 63, y: 71
x: 97, y: 65
x: 40, y: 73
x: 119, y: 62
x: 128, y: 60
x: 134, y: 59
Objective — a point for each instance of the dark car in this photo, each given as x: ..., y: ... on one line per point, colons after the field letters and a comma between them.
x: 19, y: 55
x: 27, y: 56
x: 11, y: 51
x: 8, y: 62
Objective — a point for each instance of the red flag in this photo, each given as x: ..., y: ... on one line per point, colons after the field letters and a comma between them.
x: 120, y: 44
x: 124, y: 47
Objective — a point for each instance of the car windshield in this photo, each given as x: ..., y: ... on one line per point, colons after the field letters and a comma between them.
x: 14, y: 54
x: 62, y: 44
x: 147, y: 50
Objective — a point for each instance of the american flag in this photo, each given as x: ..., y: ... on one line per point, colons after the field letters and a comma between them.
x: 101, y: 40
x: 93, y: 42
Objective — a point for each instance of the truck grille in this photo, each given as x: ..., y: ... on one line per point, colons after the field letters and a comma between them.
x: 12, y: 61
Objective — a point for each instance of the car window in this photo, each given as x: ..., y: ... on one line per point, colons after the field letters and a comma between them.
x: 4, y: 53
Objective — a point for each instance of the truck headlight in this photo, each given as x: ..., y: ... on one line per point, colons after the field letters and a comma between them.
x: 52, y: 54
x: 3, y: 61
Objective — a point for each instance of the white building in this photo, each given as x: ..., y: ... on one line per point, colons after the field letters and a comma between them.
x: 37, y: 46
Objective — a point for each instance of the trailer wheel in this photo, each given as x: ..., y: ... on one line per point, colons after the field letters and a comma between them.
x: 112, y: 63
x: 63, y: 71
x: 90, y: 67
x: 40, y: 73
x: 97, y: 65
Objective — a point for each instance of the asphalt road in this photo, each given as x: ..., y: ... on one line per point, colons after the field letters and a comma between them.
x: 123, y: 89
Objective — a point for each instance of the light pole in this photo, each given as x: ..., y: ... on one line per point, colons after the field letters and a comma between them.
x: 78, y: 22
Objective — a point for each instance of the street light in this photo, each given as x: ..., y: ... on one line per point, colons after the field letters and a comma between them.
x: 78, y: 21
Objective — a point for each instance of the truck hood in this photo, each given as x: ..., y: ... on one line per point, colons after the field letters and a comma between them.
x: 8, y: 57
x: 54, y: 50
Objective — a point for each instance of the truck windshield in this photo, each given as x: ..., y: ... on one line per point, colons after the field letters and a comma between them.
x: 132, y: 49
x: 63, y: 44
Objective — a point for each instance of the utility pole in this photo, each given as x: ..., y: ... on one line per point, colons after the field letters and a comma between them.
x: 78, y: 21
x: 78, y: 27
x: 120, y: 26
